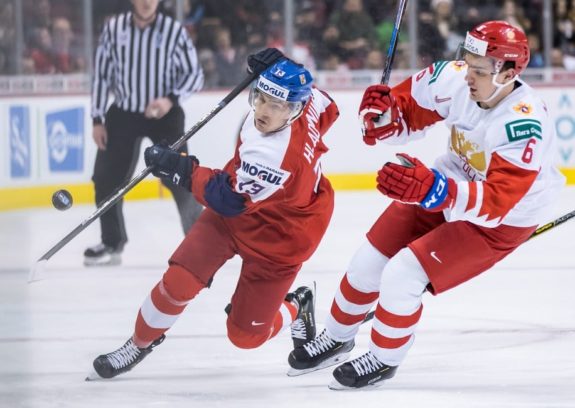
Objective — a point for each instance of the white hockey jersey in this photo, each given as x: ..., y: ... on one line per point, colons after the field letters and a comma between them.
x: 502, y: 158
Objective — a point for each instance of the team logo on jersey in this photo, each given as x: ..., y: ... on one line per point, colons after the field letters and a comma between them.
x: 302, y: 79
x: 523, y: 129
x: 467, y: 150
x: 458, y: 65
x: 523, y: 108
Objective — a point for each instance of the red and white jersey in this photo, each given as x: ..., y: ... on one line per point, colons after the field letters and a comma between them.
x: 501, y: 158
x: 288, y: 201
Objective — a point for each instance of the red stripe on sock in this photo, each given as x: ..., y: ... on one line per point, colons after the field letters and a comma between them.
x: 355, y: 296
x: 345, y: 318
x: 387, y: 342
x: 163, y: 301
x: 144, y: 335
x: 397, y: 321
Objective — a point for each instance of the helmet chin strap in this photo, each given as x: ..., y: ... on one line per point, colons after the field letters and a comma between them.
x: 498, y: 87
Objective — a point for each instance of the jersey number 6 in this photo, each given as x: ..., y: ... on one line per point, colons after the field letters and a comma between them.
x: 528, y: 152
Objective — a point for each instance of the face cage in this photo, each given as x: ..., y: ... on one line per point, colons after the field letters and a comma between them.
x: 295, y: 108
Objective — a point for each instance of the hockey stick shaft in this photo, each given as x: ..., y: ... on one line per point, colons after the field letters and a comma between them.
x: 546, y: 227
x: 113, y: 199
x: 552, y: 224
x: 393, y: 42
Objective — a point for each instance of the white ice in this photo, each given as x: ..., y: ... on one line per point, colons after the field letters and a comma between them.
x: 505, y: 339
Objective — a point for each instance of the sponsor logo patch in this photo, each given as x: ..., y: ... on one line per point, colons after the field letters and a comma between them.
x: 523, y: 129
x: 271, y: 89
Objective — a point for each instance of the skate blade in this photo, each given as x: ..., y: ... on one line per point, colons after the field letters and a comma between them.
x: 336, y: 386
x: 93, y: 376
x: 294, y: 372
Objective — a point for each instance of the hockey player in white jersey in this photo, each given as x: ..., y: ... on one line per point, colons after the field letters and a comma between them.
x: 482, y: 199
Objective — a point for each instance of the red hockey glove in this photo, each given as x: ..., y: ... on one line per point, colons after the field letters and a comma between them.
x: 379, y: 114
x: 412, y: 182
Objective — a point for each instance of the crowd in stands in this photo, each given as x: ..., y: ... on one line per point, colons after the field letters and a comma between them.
x: 335, y: 35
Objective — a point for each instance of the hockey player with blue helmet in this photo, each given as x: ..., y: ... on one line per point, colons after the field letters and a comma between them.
x: 270, y: 204
x: 279, y: 95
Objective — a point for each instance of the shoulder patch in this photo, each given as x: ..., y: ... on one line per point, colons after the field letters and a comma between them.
x: 523, y: 108
x: 523, y: 129
x: 437, y: 68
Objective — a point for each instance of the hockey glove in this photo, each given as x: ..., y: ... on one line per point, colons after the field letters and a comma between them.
x: 222, y: 198
x: 412, y: 182
x: 379, y: 114
x: 170, y: 165
x: 259, y: 62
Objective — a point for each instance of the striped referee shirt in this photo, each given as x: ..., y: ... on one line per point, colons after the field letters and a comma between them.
x: 140, y: 65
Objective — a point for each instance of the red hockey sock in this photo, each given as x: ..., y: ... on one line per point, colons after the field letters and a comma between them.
x: 166, y: 302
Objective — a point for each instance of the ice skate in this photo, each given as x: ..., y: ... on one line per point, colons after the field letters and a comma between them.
x: 102, y: 255
x: 363, y: 372
x: 122, y: 360
x: 303, y: 327
x: 321, y: 352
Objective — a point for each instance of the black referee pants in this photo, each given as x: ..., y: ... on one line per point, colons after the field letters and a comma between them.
x: 115, y: 166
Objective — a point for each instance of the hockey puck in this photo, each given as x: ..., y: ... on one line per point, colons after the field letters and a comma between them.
x: 62, y: 200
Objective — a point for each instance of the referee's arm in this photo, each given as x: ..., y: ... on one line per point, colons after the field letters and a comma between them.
x: 189, y: 76
x: 102, y: 76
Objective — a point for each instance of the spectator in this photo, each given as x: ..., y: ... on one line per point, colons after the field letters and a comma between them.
x: 229, y: 61
x: 446, y: 24
x: 40, y: 51
x: 537, y: 60
x: 62, y: 37
x: 375, y: 60
x: 354, y: 31
x: 208, y: 63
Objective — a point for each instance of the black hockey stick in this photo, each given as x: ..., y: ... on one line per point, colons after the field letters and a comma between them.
x: 393, y: 42
x: 114, y: 198
x: 392, y: 47
x: 537, y: 232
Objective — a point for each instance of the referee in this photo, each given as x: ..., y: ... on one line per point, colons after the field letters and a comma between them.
x: 149, y: 62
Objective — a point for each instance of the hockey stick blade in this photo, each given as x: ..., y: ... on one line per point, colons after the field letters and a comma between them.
x: 37, y: 271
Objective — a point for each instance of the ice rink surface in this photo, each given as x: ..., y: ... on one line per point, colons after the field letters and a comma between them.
x: 505, y: 339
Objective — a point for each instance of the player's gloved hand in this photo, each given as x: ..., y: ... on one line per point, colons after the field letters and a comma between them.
x: 379, y: 114
x: 170, y: 165
x: 412, y: 182
x: 262, y: 60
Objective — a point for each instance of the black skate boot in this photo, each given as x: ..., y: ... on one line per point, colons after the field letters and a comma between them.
x: 321, y: 352
x: 122, y: 360
x: 303, y: 327
x: 361, y: 372
x: 102, y: 255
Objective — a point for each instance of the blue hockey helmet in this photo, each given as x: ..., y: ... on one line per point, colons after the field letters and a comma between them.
x: 287, y: 81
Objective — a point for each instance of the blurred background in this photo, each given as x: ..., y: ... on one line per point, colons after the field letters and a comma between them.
x: 58, y: 37
x: 47, y: 49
